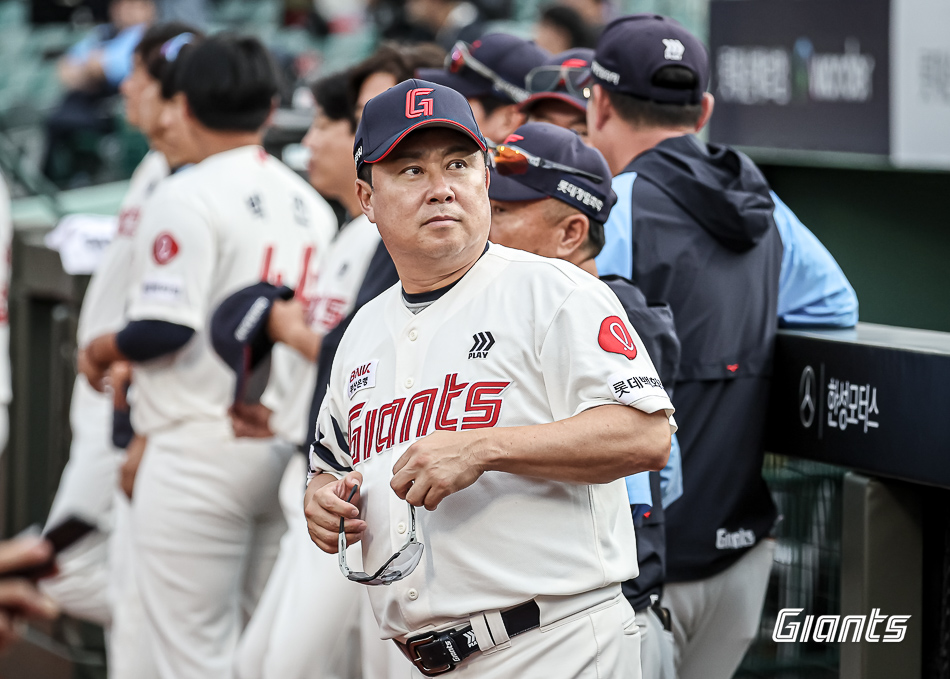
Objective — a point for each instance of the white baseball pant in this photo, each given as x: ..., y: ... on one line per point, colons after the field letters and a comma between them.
x: 86, y: 488
x: 656, y: 647
x: 304, y: 625
x: 716, y: 619
x: 207, y: 522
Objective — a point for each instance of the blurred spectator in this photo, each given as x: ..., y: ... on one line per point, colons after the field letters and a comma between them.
x: 91, y: 73
x: 19, y: 597
x: 491, y: 74
x: 596, y: 13
x: 561, y: 28
x: 447, y: 20
x: 194, y: 12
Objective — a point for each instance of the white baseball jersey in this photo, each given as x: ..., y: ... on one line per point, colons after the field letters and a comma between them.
x: 103, y: 307
x: 6, y: 251
x: 236, y: 218
x: 519, y: 340
x: 332, y: 297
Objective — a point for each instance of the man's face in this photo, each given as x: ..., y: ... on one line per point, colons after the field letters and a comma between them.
x: 174, y: 133
x: 430, y: 199
x: 559, y: 113
x: 501, y: 122
x: 525, y: 225
x: 331, y: 169
x: 131, y: 89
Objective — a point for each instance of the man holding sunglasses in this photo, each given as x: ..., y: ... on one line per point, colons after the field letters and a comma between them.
x: 490, y: 73
x: 506, y: 395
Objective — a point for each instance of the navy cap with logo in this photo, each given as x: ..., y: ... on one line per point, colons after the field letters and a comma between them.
x: 410, y: 105
x: 552, y: 145
x: 564, y: 77
x: 495, y: 65
x: 633, y: 50
x: 239, y: 329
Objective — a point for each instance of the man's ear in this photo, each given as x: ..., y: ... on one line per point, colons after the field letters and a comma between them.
x: 599, y: 110
x: 708, y: 103
x: 364, y: 192
x: 573, y: 238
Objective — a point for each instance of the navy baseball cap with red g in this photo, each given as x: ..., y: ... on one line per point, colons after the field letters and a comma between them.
x: 409, y: 106
x: 634, y: 51
x: 558, y: 164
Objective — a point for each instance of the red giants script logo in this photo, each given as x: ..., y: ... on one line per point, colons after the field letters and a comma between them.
x: 615, y: 338
x: 373, y: 431
x: 165, y: 248
x: 413, y: 105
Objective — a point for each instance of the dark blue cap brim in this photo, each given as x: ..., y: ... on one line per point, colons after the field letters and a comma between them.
x: 576, y: 102
x: 391, y: 143
x: 511, y: 190
x: 463, y: 86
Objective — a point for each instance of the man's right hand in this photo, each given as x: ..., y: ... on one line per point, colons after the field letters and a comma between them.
x: 325, y: 503
x: 19, y: 597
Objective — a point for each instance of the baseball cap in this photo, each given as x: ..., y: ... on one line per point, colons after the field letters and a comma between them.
x: 410, y: 105
x: 565, y: 77
x: 495, y: 65
x: 633, y: 49
x: 239, y: 329
x: 558, y: 154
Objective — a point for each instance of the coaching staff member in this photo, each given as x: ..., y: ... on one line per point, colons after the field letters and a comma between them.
x: 696, y: 226
x: 515, y: 445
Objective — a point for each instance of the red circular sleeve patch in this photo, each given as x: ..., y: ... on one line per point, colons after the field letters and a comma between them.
x: 615, y: 338
x: 165, y: 248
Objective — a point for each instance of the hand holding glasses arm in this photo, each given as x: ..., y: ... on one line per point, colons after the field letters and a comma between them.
x: 325, y: 503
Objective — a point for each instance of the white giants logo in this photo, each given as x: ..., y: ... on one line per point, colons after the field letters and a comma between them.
x: 825, y: 628
x: 674, y: 49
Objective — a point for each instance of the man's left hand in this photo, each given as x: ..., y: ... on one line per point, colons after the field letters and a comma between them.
x: 442, y: 463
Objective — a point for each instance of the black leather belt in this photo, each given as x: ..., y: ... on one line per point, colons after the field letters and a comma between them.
x: 440, y: 652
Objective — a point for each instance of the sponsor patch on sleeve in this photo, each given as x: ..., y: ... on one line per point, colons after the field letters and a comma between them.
x: 165, y: 290
x: 165, y: 248
x: 629, y: 389
x: 615, y: 338
x: 362, y: 377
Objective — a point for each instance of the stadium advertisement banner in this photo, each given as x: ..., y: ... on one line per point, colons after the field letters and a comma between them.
x: 804, y: 75
x: 864, y: 404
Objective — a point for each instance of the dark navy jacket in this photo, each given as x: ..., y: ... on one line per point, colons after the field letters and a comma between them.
x: 654, y: 325
x: 704, y: 240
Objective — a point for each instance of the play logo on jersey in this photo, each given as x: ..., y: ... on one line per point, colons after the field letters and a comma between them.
x: 615, y: 338
x: 165, y: 248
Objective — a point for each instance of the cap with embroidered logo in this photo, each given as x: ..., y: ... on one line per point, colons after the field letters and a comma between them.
x: 410, y: 105
x: 634, y: 50
x: 562, y: 166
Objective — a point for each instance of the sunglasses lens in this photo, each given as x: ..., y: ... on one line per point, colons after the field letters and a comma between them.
x: 544, y: 79
x: 404, y: 563
x: 508, y: 161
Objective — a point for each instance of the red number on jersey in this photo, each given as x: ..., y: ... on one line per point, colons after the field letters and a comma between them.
x: 165, y: 248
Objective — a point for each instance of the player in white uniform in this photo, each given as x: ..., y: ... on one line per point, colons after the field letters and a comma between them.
x: 89, y: 483
x: 524, y: 436
x: 202, y: 497
x: 295, y: 627
x: 6, y: 251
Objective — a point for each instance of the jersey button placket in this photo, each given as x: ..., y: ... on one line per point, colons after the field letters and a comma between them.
x: 401, y: 527
x: 413, y: 335
x: 412, y: 595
